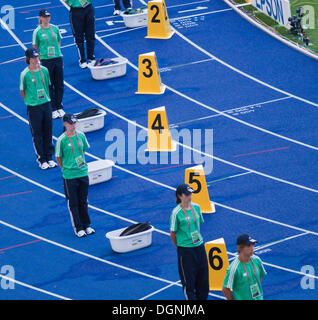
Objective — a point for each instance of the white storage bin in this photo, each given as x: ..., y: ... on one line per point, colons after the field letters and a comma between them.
x: 110, y: 71
x: 136, y: 20
x: 129, y: 243
x: 99, y: 171
x: 91, y: 123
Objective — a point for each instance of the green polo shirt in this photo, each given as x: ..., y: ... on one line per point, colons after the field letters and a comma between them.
x: 45, y: 42
x: 78, y: 3
x: 179, y: 224
x: 63, y: 149
x: 237, y: 280
x: 31, y: 87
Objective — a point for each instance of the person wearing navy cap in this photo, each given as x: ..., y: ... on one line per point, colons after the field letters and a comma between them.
x: 185, y: 234
x: 47, y: 39
x: 70, y: 155
x: 34, y: 89
x: 244, y: 275
x: 82, y: 18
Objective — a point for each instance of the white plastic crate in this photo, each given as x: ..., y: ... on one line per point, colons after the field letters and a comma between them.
x: 129, y: 243
x: 110, y: 71
x: 136, y: 20
x: 100, y: 171
x: 91, y: 123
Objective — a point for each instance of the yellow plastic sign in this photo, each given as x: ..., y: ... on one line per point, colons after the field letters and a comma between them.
x: 158, y: 21
x: 159, y: 137
x: 149, y: 80
x: 195, y: 178
x: 218, y: 263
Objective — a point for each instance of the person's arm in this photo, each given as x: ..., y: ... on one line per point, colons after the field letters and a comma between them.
x: 173, y: 238
x: 22, y: 94
x: 227, y: 293
x: 59, y: 161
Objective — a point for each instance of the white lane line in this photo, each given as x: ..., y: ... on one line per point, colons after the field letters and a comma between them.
x: 13, y: 60
x: 237, y: 109
x: 199, y: 14
x: 104, y: 6
x: 31, y: 5
x: 160, y: 290
x: 183, y: 65
x: 23, y: 284
x: 280, y: 241
x: 237, y: 70
x: 229, y: 177
x: 195, y: 9
x: 92, y: 256
x: 187, y: 4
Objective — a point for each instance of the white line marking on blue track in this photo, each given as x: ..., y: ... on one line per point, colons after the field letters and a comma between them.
x: 194, y: 9
x: 23, y: 284
x: 187, y: 4
x: 31, y: 5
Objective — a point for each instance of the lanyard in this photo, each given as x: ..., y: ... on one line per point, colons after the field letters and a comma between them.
x: 247, y: 272
x: 47, y: 41
x: 195, y: 221
x: 34, y: 77
x: 79, y: 146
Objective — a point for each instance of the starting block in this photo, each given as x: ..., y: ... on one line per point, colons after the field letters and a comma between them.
x: 218, y: 263
x: 149, y: 80
x: 158, y: 21
x: 195, y: 178
x: 159, y: 137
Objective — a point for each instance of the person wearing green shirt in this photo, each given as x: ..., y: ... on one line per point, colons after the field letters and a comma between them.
x: 34, y: 89
x: 185, y: 234
x: 70, y: 155
x: 82, y: 19
x: 243, y: 279
x: 47, y: 39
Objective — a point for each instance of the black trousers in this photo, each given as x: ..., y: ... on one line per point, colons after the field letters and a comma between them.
x: 55, y: 67
x: 76, y: 191
x: 83, y: 24
x: 40, y: 120
x: 127, y: 4
x: 194, y: 272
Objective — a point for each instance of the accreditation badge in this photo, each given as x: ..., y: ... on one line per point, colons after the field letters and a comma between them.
x: 41, y: 94
x: 255, y: 290
x: 84, y: 3
x: 51, y: 52
x: 195, y: 237
x: 80, y: 161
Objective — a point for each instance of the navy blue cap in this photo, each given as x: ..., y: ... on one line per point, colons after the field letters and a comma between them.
x: 245, y: 239
x: 44, y: 13
x: 31, y: 53
x: 184, y: 189
x: 69, y: 118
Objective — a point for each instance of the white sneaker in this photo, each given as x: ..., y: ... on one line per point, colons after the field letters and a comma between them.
x: 89, y: 230
x: 52, y: 164
x: 44, y: 166
x: 81, y: 233
x: 91, y: 63
x: 55, y: 115
x: 61, y: 112
x: 83, y: 65
x: 116, y: 13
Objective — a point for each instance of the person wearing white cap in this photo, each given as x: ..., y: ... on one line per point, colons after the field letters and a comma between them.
x: 34, y: 89
x: 244, y: 275
x: 70, y: 154
x: 47, y: 39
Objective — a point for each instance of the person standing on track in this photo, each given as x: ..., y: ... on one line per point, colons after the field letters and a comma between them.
x: 245, y: 273
x: 185, y: 234
x: 117, y: 10
x: 34, y: 89
x: 47, y: 39
x: 82, y: 18
x: 70, y: 155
